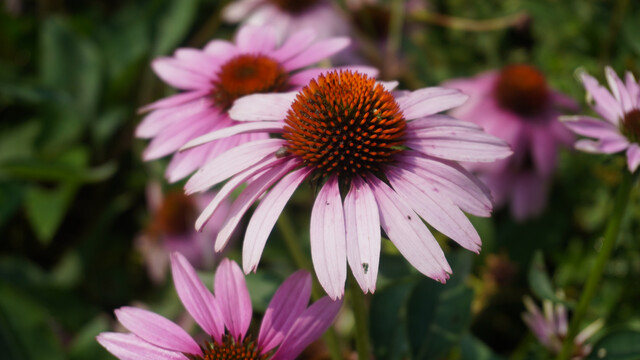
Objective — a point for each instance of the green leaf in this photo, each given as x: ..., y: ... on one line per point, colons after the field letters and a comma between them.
x: 11, y: 195
x: 387, y: 314
x: 84, y: 345
x: 46, y: 208
x: 540, y: 282
x: 438, y: 314
x: 25, y: 332
x: 617, y: 345
x: 473, y: 349
x: 174, y: 24
x: 18, y: 142
x: 40, y: 170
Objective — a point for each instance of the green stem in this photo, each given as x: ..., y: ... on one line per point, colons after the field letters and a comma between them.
x: 608, y: 244
x: 301, y: 261
x: 457, y: 23
x: 362, y: 319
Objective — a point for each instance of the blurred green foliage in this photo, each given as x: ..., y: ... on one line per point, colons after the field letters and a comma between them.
x: 73, y: 74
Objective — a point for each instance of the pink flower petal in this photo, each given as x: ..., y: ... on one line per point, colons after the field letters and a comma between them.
x: 238, y: 10
x: 265, y: 216
x: 231, y: 163
x: 184, y: 163
x: 453, y: 181
x: 633, y: 87
x: 256, y: 39
x: 591, y: 127
x: 440, y: 121
x: 228, y: 188
x: 633, y: 157
x: 157, y: 330
x: 252, y: 127
x: 363, y: 234
x: 605, y: 104
x: 544, y: 151
x: 529, y: 196
x: 435, y: 209
x: 619, y: 90
x: 316, y: 52
x: 198, y: 61
x: 429, y: 101
x: 160, y: 119
x: 603, y: 146
x: 173, y: 73
x: 248, y: 196
x: 460, y: 145
x: 309, y: 326
x: 328, y: 242
x: 195, y: 296
x: 221, y: 50
x: 259, y: 107
x: 177, y: 134
x: 174, y: 100
x: 233, y: 297
x: 412, y: 238
x: 303, y: 77
x: 289, y: 301
x: 297, y: 42
x: 131, y: 347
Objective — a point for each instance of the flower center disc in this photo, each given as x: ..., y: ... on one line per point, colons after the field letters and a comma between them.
x: 521, y: 89
x: 631, y: 125
x: 231, y: 349
x: 294, y: 6
x: 176, y: 214
x: 344, y: 123
x: 247, y: 74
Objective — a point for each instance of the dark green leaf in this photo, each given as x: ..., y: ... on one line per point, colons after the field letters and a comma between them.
x: 174, y: 25
x: 46, y: 208
x: 539, y: 281
x: 388, y: 314
x: 617, y: 345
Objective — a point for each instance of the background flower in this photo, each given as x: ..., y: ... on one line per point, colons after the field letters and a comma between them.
x: 288, y: 325
x: 517, y: 105
x: 620, y: 108
x: 213, y: 78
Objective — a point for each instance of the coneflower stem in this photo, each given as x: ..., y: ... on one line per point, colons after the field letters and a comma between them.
x: 301, y: 261
x: 361, y: 315
x: 608, y: 244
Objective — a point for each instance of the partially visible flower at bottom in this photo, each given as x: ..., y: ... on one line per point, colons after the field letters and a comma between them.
x: 171, y: 229
x: 550, y: 328
x: 288, y: 325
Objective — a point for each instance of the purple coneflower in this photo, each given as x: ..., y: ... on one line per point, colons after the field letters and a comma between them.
x: 516, y: 105
x: 550, y: 328
x: 620, y: 129
x: 289, y: 16
x: 171, y: 230
x: 213, y: 78
x: 379, y: 161
x: 288, y: 325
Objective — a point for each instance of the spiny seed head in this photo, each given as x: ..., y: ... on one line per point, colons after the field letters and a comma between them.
x: 344, y: 123
x: 175, y: 215
x: 247, y: 74
x: 522, y: 89
x: 232, y: 349
x: 630, y: 125
x: 294, y: 6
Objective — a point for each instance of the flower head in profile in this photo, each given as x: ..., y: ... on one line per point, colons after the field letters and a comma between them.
x: 378, y: 159
x: 517, y: 105
x: 550, y: 328
x: 171, y: 229
x: 619, y: 126
x: 289, y: 16
x: 288, y: 325
x: 213, y: 78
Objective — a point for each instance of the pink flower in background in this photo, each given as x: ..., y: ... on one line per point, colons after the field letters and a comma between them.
x: 288, y: 325
x: 516, y: 105
x: 550, y: 328
x: 171, y: 229
x: 289, y: 16
x: 213, y: 78
x: 620, y: 109
x: 391, y: 158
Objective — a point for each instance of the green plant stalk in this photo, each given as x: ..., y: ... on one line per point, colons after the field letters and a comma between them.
x: 608, y: 244
x: 361, y: 317
x: 301, y: 261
